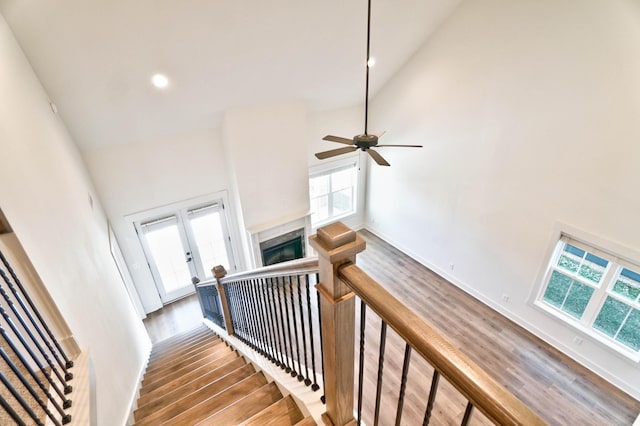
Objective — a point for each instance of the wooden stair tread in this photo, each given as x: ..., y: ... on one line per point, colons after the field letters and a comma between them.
x: 200, y: 383
x: 170, y: 376
x: 160, y: 358
x: 178, y: 338
x: 307, y: 421
x: 280, y: 413
x: 188, y: 377
x: 219, y: 391
x: 246, y: 407
x: 181, y: 361
x: 218, y: 402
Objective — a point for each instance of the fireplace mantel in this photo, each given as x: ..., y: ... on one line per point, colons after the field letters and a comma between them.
x: 270, y: 230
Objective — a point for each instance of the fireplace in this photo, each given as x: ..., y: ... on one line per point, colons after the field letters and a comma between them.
x: 285, y: 247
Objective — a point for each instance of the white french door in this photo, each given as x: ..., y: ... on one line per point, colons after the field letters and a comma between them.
x: 186, y: 244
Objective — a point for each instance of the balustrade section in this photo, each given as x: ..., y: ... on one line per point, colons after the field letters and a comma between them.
x: 275, y: 311
x: 35, y: 371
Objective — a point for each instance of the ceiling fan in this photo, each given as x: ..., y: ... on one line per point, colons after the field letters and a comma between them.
x: 363, y: 141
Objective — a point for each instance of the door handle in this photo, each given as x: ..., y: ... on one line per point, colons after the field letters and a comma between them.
x: 188, y: 259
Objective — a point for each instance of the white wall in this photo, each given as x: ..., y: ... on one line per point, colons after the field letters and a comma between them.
x: 528, y: 111
x: 132, y: 178
x: 45, y: 195
x: 267, y: 156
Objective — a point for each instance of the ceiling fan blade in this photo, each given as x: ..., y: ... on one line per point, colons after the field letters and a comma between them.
x: 338, y: 139
x: 404, y: 146
x: 334, y: 152
x: 378, y: 158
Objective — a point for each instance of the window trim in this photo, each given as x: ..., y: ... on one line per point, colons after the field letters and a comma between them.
x: 618, y: 256
x: 333, y: 167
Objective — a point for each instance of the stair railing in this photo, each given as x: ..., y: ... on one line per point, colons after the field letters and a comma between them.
x: 340, y: 282
x: 37, y: 371
x: 288, y: 311
x: 274, y: 310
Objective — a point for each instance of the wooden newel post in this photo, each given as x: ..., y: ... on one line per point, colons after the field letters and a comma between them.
x: 219, y: 273
x: 336, y: 245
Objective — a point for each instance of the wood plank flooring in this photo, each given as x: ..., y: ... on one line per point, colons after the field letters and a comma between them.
x: 560, y: 390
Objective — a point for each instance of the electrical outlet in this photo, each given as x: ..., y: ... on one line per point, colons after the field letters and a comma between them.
x: 505, y: 298
x: 452, y: 266
x: 577, y: 340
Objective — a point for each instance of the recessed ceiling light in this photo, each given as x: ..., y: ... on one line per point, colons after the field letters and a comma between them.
x: 160, y: 81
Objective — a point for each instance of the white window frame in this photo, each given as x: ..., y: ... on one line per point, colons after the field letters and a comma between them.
x: 330, y: 168
x: 619, y: 257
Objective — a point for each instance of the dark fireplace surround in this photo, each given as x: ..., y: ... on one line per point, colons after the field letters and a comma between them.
x: 285, y: 247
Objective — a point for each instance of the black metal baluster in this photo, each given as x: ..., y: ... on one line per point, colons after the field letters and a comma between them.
x: 246, y: 308
x: 363, y: 323
x: 295, y: 324
x: 231, y: 295
x: 16, y: 332
x: 276, y: 326
x: 36, y: 343
x: 467, y: 414
x: 25, y: 364
x: 315, y: 385
x: 323, y: 397
x: 403, y: 383
x: 29, y: 388
x: 68, y: 362
x: 243, y: 313
x: 383, y: 343
x: 21, y: 400
x: 18, y: 298
x: 9, y: 409
x: 255, y: 324
x: 307, y: 380
x: 285, y: 281
x: 432, y: 397
x: 282, y: 328
x: 266, y: 321
x: 255, y: 308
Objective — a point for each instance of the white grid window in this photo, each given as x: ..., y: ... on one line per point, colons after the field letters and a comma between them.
x: 332, y: 193
x: 596, y: 292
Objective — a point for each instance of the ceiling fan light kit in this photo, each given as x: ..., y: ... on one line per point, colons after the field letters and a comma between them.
x: 364, y: 141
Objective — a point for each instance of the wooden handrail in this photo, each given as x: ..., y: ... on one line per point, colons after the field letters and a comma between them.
x: 491, y: 398
x: 292, y: 267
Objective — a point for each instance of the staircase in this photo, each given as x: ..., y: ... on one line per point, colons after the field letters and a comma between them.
x: 195, y: 378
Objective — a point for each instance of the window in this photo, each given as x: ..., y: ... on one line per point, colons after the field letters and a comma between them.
x: 332, y: 192
x: 596, y: 292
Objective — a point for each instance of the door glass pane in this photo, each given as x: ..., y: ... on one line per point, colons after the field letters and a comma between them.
x: 168, y: 255
x: 210, y: 240
x: 630, y: 333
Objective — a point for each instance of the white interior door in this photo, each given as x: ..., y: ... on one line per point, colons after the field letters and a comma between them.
x: 184, y: 245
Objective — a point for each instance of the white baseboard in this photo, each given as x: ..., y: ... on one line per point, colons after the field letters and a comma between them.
x: 133, y: 404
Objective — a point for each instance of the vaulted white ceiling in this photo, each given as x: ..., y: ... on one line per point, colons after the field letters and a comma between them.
x: 95, y: 58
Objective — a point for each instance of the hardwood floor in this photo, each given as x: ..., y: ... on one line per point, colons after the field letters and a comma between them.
x: 174, y: 318
x: 561, y: 391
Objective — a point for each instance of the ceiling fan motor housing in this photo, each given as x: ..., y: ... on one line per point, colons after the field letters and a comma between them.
x: 365, y: 141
